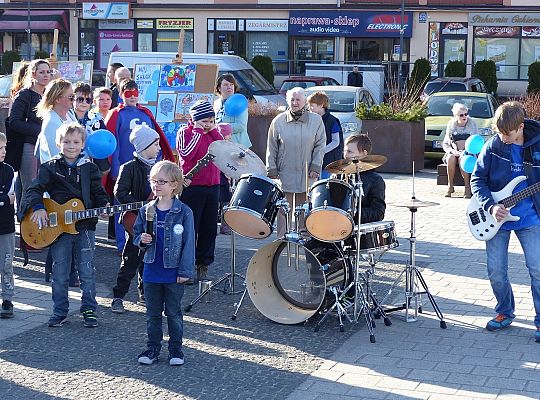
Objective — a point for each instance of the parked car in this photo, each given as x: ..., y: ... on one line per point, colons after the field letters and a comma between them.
x: 453, y: 85
x: 481, y: 107
x: 342, y: 103
x: 5, y: 85
x: 306, y: 82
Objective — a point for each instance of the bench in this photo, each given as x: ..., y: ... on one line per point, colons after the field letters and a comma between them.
x: 442, y: 178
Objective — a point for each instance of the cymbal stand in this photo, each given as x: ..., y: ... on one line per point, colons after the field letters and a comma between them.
x: 228, y: 278
x: 376, y: 308
x: 412, y: 273
x: 284, y: 205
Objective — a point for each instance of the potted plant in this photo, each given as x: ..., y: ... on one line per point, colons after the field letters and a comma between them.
x: 396, y: 129
x: 260, y: 117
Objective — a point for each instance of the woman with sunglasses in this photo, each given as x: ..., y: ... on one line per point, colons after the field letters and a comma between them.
x: 53, y: 109
x: 459, y: 128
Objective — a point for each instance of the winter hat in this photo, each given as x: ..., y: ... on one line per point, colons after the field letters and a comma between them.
x: 142, y: 136
x: 201, y: 109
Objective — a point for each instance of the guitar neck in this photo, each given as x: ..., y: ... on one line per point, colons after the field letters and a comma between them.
x: 512, y: 200
x: 203, y: 162
x: 96, y: 212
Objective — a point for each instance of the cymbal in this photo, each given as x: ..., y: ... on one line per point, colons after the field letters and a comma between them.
x: 356, y: 164
x: 414, y: 203
x: 234, y: 160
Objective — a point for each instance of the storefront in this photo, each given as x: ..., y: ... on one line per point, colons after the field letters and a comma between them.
x: 369, y: 37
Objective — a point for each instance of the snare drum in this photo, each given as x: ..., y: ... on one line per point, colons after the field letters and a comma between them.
x: 253, y: 206
x: 377, y: 237
x: 331, y: 214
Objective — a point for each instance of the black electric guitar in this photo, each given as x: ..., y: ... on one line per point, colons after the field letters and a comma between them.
x: 203, y: 162
x: 482, y: 224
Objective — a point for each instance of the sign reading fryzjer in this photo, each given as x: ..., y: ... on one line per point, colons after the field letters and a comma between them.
x: 105, y: 10
x: 339, y: 23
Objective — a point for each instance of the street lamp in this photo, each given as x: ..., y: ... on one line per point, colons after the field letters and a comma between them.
x: 401, y: 32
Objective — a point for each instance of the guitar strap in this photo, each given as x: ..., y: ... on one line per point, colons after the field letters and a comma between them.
x: 85, y: 186
x: 528, y: 162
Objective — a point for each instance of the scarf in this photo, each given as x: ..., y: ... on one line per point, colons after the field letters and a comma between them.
x: 148, y: 161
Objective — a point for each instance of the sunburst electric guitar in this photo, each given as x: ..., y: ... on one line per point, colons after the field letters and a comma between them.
x: 62, y: 219
x: 482, y: 224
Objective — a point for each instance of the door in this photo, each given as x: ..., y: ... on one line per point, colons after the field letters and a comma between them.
x: 225, y: 43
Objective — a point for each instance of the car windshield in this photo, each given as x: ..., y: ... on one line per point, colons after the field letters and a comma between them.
x: 250, y: 79
x: 340, y: 101
x: 292, y: 84
x: 5, y: 85
x: 442, y: 106
x: 434, y: 87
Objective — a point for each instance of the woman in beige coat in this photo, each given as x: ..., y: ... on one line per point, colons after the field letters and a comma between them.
x: 295, y: 137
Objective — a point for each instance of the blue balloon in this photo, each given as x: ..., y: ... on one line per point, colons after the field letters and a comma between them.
x: 474, y: 144
x: 467, y: 163
x: 236, y: 105
x: 100, y: 144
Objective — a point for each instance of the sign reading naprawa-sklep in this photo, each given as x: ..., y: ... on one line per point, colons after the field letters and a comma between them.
x: 105, y: 11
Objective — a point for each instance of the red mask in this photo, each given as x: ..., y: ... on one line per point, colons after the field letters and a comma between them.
x: 131, y: 93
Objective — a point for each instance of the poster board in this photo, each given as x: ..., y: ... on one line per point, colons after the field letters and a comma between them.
x: 168, y: 90
x: 73, y: 71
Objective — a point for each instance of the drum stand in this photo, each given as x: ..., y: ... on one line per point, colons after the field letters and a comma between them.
x: 412, y: 273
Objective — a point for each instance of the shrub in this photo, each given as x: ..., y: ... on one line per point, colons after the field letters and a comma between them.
x: 8, y: 58
x: 414, y: 113
x: 420, y: 73
x: 455, y: 69
x: 41, y: 54
x: 534, y: 77
x: 531, y: 103
x: 266, y: 109
x: 263, y: 64
x: 486, y: 71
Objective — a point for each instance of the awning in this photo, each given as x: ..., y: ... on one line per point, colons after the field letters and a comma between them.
x: 40, y: 20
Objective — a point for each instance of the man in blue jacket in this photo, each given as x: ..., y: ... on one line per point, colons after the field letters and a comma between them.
x: 513, y: 152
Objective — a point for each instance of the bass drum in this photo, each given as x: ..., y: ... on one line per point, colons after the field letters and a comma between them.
x: 287, y: 281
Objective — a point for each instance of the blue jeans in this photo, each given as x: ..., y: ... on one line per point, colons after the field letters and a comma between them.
x: 158, y: 295
x: 80, y: 248
x: 497, y: 266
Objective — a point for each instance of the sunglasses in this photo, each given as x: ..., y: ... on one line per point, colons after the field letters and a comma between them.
x: 87, y: 100
x: 131, y: 93
x: 463, y: 115
x: 70, y: 97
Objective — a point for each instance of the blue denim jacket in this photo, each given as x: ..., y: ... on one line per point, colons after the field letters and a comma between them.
x: 492, y: 171
x: 179, y: 239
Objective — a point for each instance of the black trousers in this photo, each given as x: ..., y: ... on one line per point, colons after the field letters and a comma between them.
x: 204, y: 202
x: 132, y: 261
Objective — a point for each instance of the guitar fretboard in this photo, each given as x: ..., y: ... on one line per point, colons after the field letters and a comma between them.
x: 512, y: 200
x: 203, y: 162
x: 96, y: 212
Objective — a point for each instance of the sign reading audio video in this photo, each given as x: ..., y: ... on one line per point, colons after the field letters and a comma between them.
x: 351, y: 24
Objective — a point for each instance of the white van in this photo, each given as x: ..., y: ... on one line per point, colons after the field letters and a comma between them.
x: 252, y: 83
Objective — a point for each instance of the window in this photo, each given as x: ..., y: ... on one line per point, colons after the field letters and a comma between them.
x: 530, y: 52
x: 503, y: 51
x: 168, y: 41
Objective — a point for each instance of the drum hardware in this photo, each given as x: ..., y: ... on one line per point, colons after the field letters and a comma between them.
x: 341, y: 309
x: 412, y: 273
x: 356, y: 164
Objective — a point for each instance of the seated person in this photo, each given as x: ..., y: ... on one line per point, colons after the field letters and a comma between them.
x: 459, y: 128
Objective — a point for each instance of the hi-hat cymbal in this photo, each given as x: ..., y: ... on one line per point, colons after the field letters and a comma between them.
x: 356, y: 164
x: 414, y: 203
x: 234, y: 160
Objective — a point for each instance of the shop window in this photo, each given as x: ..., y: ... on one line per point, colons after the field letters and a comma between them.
x: 503, y: 51
x: 530, y: 52
x: 40, y: 41
x: 271, y: 44
x: 168, y: 41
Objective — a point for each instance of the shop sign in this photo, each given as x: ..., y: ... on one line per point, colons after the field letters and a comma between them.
x: 434, y: 47
x: 422, y: 17
x: 267, y: 25
x: 174, y: 23
x: 454, y: 28
x: 105, y: 10
x: 530, y: 31
x: 497, y: 31
x: 145, y: 24
x: 357, y: 24
x: 116, y: 24
x: 111, y: 41
x: 504, y: 19
x: 225, y: 25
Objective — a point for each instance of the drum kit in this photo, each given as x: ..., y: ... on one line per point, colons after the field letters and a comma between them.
x: 302, y: 274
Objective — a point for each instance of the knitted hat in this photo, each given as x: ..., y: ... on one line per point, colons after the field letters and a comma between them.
x: 201, y: 109
x: 142, y: 136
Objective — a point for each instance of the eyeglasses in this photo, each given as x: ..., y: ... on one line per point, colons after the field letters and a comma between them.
x: 70, y: 97
x: 88, y: 100
x: 463, y: 115
x: 131, y: 93
x: 159, y: 182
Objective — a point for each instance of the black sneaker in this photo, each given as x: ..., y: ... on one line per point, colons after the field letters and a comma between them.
x: 7, y: 309
x: 57, y: 321
x: 90, y: 319
x: 117, y: 306
x: 176, y: 357
x: 148, y: 357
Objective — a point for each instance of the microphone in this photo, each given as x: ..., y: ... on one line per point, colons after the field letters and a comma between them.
x: 150, y: 215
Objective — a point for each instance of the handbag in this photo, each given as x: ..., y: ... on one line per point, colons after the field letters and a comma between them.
x: 14, y: 147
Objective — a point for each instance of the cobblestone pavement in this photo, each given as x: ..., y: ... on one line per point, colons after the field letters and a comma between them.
x: 255, y: 358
